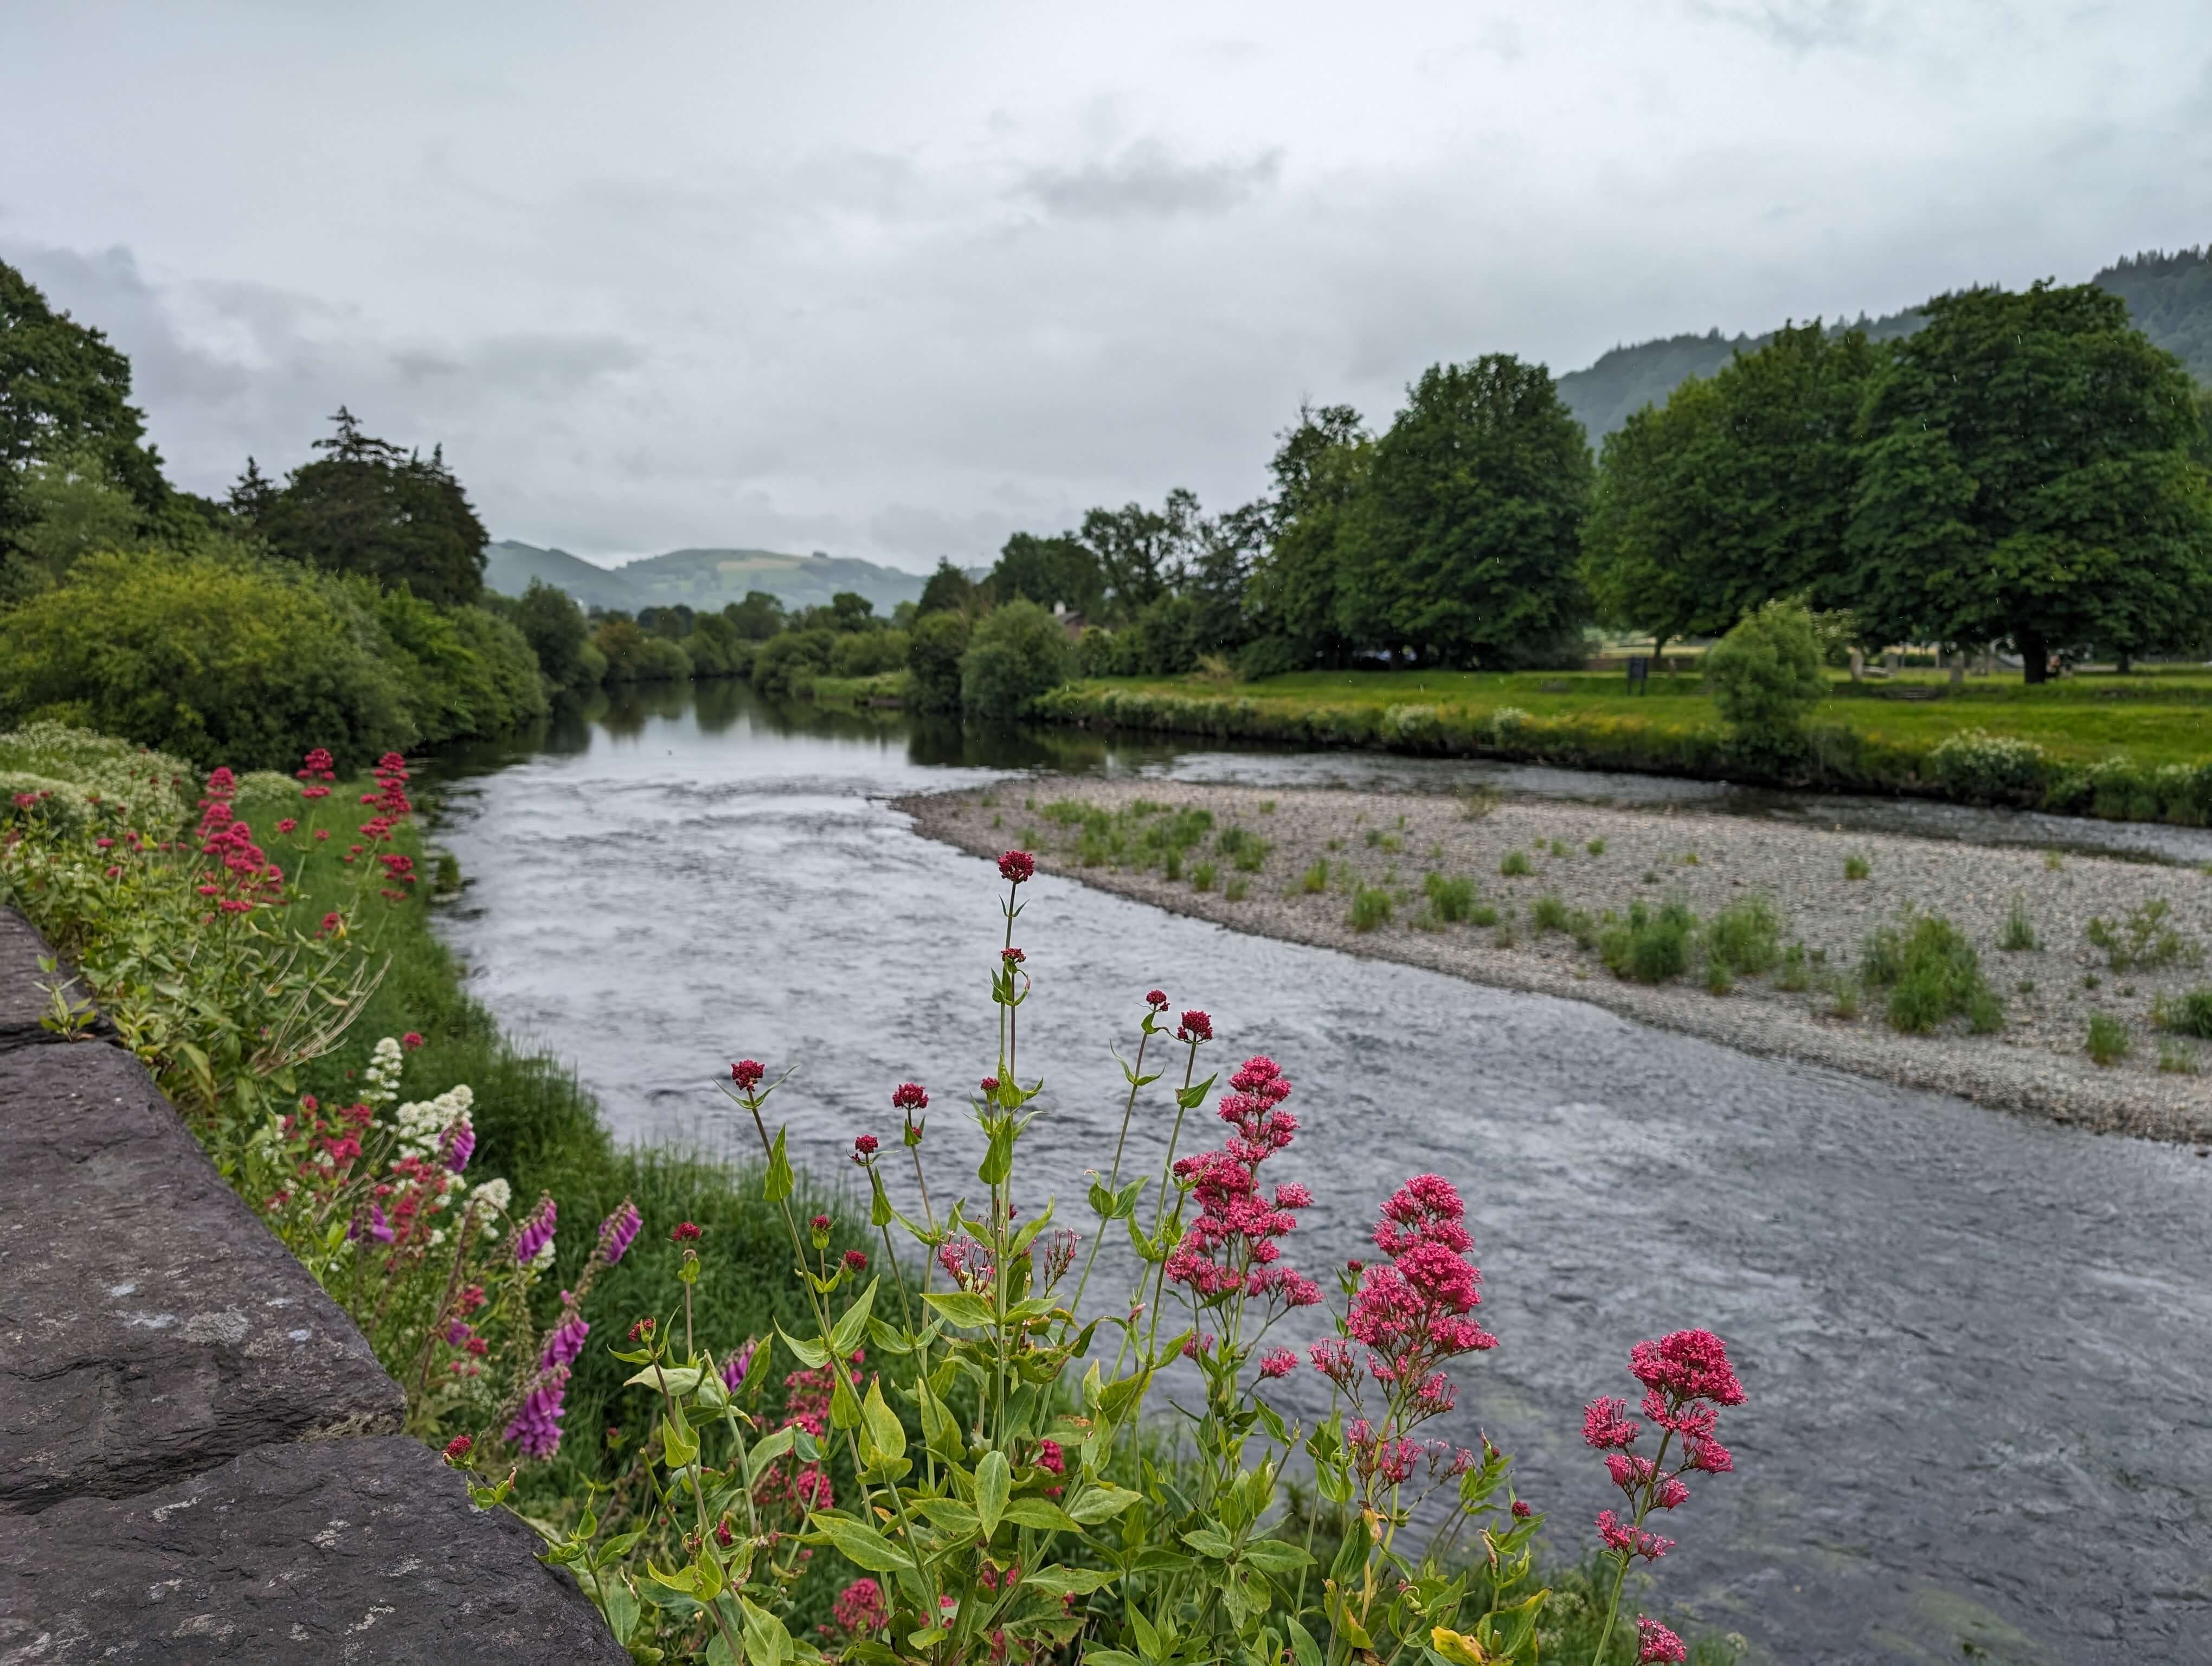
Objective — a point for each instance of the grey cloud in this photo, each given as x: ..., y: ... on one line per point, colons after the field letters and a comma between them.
x: 1805, y: 26
x: 1146, y: 181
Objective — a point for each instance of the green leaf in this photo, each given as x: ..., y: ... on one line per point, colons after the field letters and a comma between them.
x: 880, y: 1212
x: 810, y: 1355
x: 1302, y: 1644
x: 1102, y: 1501
x: 969, y: 1312
x: 938, y: 1427
x: 1109, y: 1657
x: 678, y: 1380
x: 1210, y: 1542
x: 620, y: 1606
x: 779, y: 1182
x: 767, y: 1642
x: 1069, y: 1581
x: 683, y: 1578
x: 861, y: 1545
x: 1190, y: 1098
x: 844, y: 1404
x: 765, y: 1452
x: 1043, y: 1515
x: 949, y: 1517
x: 845, y: 1334
x: 885, y: 1434
x: 993, y: 1482
x: 679, y: 1446
x: 999, y: 1160
x: 1274, y: 1556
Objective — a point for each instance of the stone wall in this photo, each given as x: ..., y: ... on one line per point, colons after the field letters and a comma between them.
x: 199, y: 1456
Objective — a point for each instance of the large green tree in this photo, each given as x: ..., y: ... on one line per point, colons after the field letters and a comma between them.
x: 1044, y: 570
x: 365, y: 506
x: 1737, y: 490
x: 1319, y: 467
x: 2025, y: 475
x: 1464, y: 545
x: 1143, y: 554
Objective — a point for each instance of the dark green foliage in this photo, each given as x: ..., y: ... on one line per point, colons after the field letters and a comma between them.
x: 2187, y: 1014
x: 463, y: 671
x: 2027, y: 476
x: 1548, y: 914
x: 1246, y: 849
x: 2108, y: 1040
x: 932, y: 660
x: 1142, y: 554
x: 783, y: 664
x: 2018, y: 936
x: 1016, y: 653
x: 949, y: 590
x: 1044, y: 570
x: 1452, y: 899
x: 1766, y: 678
x: 555, y: 629
x: 1515, y: 864
x: 366, y: 507
x: 634, y: 656
x: 867, y: 653
x: 1652, y: 945
x: 1933, y: 974
x: 757, y: 618
x: 1463, y: 545
x: 1320, y: 469
x: 1745, y: 938
x: 1370, y: 907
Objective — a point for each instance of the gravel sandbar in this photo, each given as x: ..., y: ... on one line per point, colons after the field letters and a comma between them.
x: 2036, y: 1064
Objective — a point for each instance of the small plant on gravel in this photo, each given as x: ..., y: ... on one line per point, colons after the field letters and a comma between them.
x: 1650, y: 878
x: 2018, y: 936
x: 1795, y: 976
x: 2091, y: 981
x: 1558, y: 847
x: 2026, y: 985
x: 1745, y: 938
x: 1717, y: 982
x: 1515, y: 864
x: 1335, y: 844
x: 1856, y: 867
x: 1933, y: 974
x: 1201, y: 877
x: 2145, y: 938
x: 1451, y: 900
x: 1652, y: 945
x: 1548, y: 914
x: 2052, y: 861
x: 1171, y: 864
x: 1482, y: 914
x: 2189, y: 1014
x: 1582, y: 929
x: 1267, y: 807
x: 1246, y: 851
x: 998, y: 821
x: 1689, y: 859
x: 2108, y: 1038
x: 1371, y: 907
x: 1315, y: 879
x: 1503, y: 938
x: 1596, y: 846
x: 1847, y: 1004
x: 2176, y: 1058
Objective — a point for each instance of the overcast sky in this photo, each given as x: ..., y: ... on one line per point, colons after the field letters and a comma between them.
x: 893, y: 281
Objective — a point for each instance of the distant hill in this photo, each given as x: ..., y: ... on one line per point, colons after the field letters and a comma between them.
x: 2168, y: 296
x: 702, y: 578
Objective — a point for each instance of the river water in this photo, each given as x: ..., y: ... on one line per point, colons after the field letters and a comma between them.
x: 1976, y: 1347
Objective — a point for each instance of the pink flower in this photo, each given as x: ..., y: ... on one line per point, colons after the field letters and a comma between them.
x: 1607, y: 1425
x: 910, y: 1096
x: 1687, y: 1364
x: 684, y: 1233
x: 1196, y: 1026
x: 1521, y: 1510
x: 1012, y: 957
x: 411, y: 1040
x: 856, y: 1259
x: 1657, y: 1646
x: 618, y: 1230
x: 1277, y: 1362
x: 287, y: 824
x: 1618, y: 1535
x: 864, y: 1146
x: 747, y: 1073
x: 1017, y: 866
x: 1156, y: 999
x: 457, y: 1447
x: 859, y: 1608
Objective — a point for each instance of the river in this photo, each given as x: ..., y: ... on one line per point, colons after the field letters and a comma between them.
x: 1975, y: 1345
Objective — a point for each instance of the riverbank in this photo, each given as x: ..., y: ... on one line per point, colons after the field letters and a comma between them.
x: 2121, y: 748
x: 1540, y: 930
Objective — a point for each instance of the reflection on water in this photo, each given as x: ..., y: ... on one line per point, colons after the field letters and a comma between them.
x: 1976, y: 1345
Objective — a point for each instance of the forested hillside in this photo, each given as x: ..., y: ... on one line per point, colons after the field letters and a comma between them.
x: 2169, y: 298
x: 702, y: 580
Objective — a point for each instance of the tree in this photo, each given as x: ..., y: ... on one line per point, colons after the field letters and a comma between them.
x: 757, y: 618
x: 1320, y: 469
x: 2025, y: 475
x: 948, y: 590
x: 1048, y: 570
x: 932, y: 660
x: 65, y: 398
x: 1015, y: 653
x: 1142, y: 553
x: 1463, y: 545
x: 554, y: 626
x: 1737, y: 490
x: 366, y: 507
x: 1765, y: 677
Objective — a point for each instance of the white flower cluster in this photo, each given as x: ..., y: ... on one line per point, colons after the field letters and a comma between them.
x: 543, y: 1259
x: 384, y: 1067
x: 423, y: 1121
x: 490, y: 1202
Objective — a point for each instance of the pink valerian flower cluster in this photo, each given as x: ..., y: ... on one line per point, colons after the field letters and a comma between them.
x: 319, y: 765
x: 968, y: 1264
x: 1657, y: 1646
x: 1411, y: 1314
x: 1686, y: 1379
x: 1231, y: 1249
x: 806, y: 1406
x: 1016, y: 866
x: 1382, y: 1460
x: 859, y: 1608
x: 747, y: 1073
x: 243, y: 877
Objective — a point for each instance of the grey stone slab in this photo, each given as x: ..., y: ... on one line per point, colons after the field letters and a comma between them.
x: 22, y: 1001
x: 149, y: 1326
x: 356, y: 1550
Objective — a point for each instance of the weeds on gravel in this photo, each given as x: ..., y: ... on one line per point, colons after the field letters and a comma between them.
x: 1245, y: 850
x: 1558, y: 847
x: 1370, y: 907
x: 1548, y: 914
x: 1236, y: 889
x: 2176, y: 1058
x: 1652, y: 945
x: 1856, y: 867
x: 2108, y: 1038
x: 1745, y: 938
x: 1846, y: 1003
x: 2189, y: 1014
x: 1476, y: 803
x: 1596, y: 846
x: 2144, y: 938
x: 1933, y: 974
x: 1201, y: 877
x: 2052, y: 861
x: 1451, y: 900
x: 2018, y: 936
x: 1515, y: 864
x: 1795, y: 975
x: 1315, y: 879
x: 1482, y: 914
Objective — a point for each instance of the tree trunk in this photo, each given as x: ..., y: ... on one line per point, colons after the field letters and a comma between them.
x: 1858, y: 664
x: 2124, y: 663
x: 2034, y: 656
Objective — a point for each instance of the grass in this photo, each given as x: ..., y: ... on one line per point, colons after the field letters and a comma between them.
x: 1933, y: 976
x: 2144, y: 938
x: 2188, y: 1014
x: 1744, y: 939
x: 1451, y: 900
x: 1237, y: 889
x: 1201, y: 877
x: 1856, y: 867
x: 1596, y: 846
x: 1515, y: 864
x: 1548, y: 914
x: 1315, y: 879
x: 1370, y: 907
x: 1652, y: 945
x: 2108, y: 1039
x: 1247, y: 851
x: 2018, y: 936
x: 1795, y: 975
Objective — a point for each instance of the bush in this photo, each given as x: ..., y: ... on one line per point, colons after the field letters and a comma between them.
x: 1745, y: 938
x: 558, y: 634
x: 1933, y: 974
x: 465, y: 671
x: 1514, y: 865
x: 1765, y: 677
x: 1371, y: 907
x: 786, y: 664
x: 2018, y: 934
x: 2189, y: 1014
x: 867, y: 653
x: 1017, y: 652
x: 215, y: 656
x: 932, y: 660
x: 1548, y: 914
x: 1651, y: 946
x: 2108, y: 1040
x: 1453, y: 899
x: 81, y: 770
x: 1988, y: 769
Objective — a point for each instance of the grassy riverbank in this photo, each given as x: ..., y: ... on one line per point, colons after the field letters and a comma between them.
x: 2133, y: 748
x: 2071, y: 987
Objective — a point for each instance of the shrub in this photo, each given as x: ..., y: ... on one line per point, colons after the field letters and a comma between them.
x: 1596, y: 846
x: 82, y: 771
x: 2144, y: 938
x: 1315, y: 879
x: 557, y: 632
x: 1235, y: 889
x: 214, y: 656
x: 1856, y: 867
x: 932, y: 660
x: 464, y: 671
x: 2176, y: 1059
x: 868, y: 653
x: 1765, y: 677
x: 1201, y: 877
x: 785, y: 664
x: 2108, y: 1040
x: 1514, y: 865
x: 1932, y: 974
x: 1246, y: 850
x: 1017, y: 652
x: 1548, y: 914
x: 1652, y: 945
x: 635, y: 656
x: 1451, y: 900
x: 2188, y: 1014
x: 1795, y: 975
x: 1988, y: 769
x: 1371, y: 907
x: 2018, y: 936
x: 1745, y: 938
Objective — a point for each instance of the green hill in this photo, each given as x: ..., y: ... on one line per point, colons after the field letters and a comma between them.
x: 703, y: 578
x: 2169, y: 295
